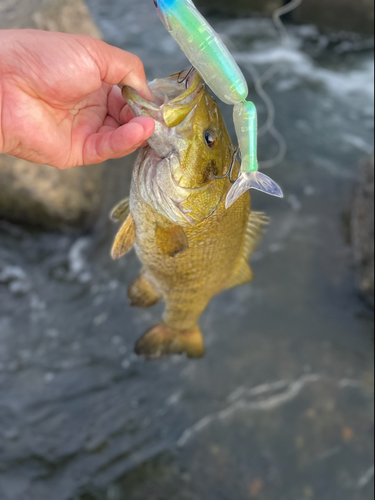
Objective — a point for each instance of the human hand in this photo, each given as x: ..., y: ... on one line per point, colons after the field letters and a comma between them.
x: 59, y: 100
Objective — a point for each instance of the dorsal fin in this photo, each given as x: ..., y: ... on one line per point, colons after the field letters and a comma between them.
x: 121, y: 211
x: 256, y: 226
x: 254, y: 230
x: 125, y: 238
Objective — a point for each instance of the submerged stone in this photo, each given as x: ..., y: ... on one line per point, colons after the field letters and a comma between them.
x: 363, y: 231
x: 347, y: 15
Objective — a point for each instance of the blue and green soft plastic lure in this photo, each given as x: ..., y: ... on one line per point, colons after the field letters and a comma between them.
x: 212, y: 59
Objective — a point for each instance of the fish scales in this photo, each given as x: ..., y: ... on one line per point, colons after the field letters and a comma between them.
x: 190, y: 279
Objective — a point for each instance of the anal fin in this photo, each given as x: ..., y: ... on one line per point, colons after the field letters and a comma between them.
x: 171, y: 239
x: 125, y: 238
x: 162, y: 341
x: 142, y: 293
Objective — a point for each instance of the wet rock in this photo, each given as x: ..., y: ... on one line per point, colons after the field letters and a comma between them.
x: 38, y: 194
x: 46, y: 197
x: 69, y: 16
x: 345, y: 15
x: 363, y: 231
x: 243, y: 6
x: 16, y: 279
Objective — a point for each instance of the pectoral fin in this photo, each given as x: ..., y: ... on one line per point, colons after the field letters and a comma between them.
x: 171, y: 240
x: 125, y: 238
x: 121, y: 212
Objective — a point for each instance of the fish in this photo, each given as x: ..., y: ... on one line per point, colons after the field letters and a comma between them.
x: 191, y: 247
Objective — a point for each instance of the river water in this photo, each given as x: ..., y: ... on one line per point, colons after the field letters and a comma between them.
x: 281, y: 407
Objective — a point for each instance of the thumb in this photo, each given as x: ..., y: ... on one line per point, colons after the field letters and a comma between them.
x: 118, y: 67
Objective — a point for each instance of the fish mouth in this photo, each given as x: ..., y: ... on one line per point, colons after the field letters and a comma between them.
x: 159, y: 177
x: 175, y: 98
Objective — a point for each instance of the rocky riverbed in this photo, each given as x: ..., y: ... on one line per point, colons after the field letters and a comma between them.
x: 282, y: 405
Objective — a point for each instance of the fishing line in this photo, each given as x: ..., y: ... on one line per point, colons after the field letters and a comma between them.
x: 284, y: 35
x: 281, y: 12
x: 260, y: 80
x: 269, y: 126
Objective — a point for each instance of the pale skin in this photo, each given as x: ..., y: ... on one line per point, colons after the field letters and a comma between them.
x: 60, y: 103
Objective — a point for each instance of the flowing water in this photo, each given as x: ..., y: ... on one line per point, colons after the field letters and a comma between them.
x: 282, y: 404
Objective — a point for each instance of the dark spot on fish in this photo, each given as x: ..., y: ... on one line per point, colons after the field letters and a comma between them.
x: 156, y: 3
x: 210, y: 171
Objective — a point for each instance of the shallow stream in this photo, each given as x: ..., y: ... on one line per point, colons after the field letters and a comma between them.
x: 281, y: 407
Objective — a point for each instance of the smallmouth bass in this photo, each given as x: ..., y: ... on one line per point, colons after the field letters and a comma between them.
x: 190, y: 245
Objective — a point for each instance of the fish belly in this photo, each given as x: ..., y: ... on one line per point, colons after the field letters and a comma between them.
x: 189, y: 280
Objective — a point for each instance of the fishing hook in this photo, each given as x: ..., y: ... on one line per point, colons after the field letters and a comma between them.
x: 186, y: 77
x: 230, y: 171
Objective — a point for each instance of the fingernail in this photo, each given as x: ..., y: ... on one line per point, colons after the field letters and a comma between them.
x: 148, y: 94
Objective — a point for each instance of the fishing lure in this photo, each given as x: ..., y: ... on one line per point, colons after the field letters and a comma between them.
x: 246, y: 124
x: 212, y: 59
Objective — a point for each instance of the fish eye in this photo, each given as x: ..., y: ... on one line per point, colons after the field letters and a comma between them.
x: 211, y: 138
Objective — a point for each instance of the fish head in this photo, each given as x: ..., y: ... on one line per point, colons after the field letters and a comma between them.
x: 190, y: 149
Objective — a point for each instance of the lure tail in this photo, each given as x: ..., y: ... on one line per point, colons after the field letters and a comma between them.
x: 162, y: 341
x: 252, y: 180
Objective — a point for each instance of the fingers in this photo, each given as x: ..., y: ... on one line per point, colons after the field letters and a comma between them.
x: 116, y: 103
x: 118, y: 67
x: 126, y: 115
x: 109, y: 125
x: 116, y: 143
x: 117, y: 106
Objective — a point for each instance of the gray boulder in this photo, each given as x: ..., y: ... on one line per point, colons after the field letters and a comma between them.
x: 349, y: 15
x: 38, y: 194
x: 69, y: 16
x: 362, y: 227
x: 48, y: 198
x: 241, y: 6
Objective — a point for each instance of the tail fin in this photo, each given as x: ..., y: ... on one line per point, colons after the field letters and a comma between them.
x: 252, y: 180
x: 162, y: 341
